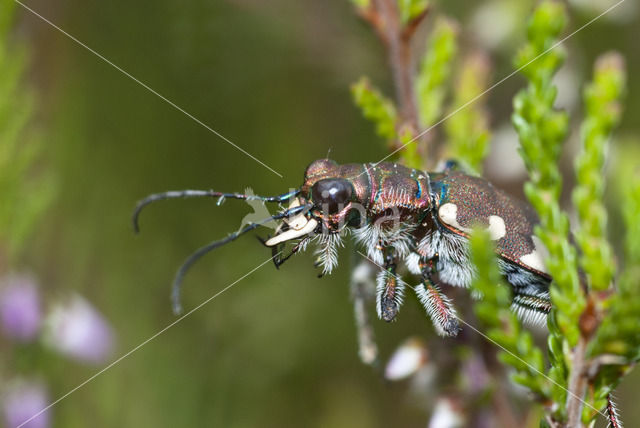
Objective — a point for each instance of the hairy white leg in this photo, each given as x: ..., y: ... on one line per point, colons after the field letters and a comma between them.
x: 362, y: 287
x: 389, y: 294
x: 612, y: 414
x: 439, y: 308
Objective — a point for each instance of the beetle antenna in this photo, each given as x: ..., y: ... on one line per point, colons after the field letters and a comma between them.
x: 177, y: 281
x: 176, y: 194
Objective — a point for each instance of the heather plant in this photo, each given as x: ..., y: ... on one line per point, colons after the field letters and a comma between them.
x: 110, y: 143
x: 593, y: 334
x: 584, y: 286
x: 431, y: 88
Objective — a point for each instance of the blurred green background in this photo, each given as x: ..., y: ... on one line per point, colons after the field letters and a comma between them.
x: 279, y: 348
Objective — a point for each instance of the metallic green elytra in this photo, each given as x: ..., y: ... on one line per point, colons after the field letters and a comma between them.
x: 404, y: 216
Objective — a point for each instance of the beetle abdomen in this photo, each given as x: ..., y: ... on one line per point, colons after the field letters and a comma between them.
x: 466, y: 202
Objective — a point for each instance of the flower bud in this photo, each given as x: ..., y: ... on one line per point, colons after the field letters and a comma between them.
x: 20, y: 310
x: 22, y: 401
x: 76, y: 329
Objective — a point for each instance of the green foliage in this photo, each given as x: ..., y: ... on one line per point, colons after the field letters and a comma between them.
x: 604, y: 321
x: 435, y: 69
x: 24, y: 188
x: 375, y: 107
x: 467, y: 130
x: 538, y: 59
x: 617, y: 339
x: 619, y: 333
x: 631, y: 211
x: 361, y: 3
x: 410, y: 154
x: 7, y: 9
x: 503, y: 326
x: 591, y: 325
x: 542, y: 130
x: 616, y: 345
x: 411, y: 9
x: 602, y: 108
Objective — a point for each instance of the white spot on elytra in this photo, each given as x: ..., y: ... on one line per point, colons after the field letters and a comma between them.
x: 449, y: 214
x: 537, y: 257
x: 497, y: 228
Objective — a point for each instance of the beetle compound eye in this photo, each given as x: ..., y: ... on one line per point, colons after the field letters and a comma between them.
x: 331, y: 194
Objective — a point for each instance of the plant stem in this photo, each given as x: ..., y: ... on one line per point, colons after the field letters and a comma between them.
x: 401, y: 61
x: 502, y: 407
x: 577, y: 384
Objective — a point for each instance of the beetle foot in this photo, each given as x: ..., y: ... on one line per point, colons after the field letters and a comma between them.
x: 389, y: 295
x: 452, y: 327
x: 389, y: 309
x: 439, y: 308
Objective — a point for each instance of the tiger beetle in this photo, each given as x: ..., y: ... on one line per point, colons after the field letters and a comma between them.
x: 400, y: 215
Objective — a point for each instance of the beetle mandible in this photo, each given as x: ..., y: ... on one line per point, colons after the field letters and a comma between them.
x: 400, y: 215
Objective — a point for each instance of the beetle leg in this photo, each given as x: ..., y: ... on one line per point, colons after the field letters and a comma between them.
x: 612, y: 413
x: 437, y: 304
x: 531, y: 309
x: 277, y: 250
x: 390, y: 290
x: 361, y: 292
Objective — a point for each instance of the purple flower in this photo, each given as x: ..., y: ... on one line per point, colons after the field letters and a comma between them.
x: 20, y: 313
x: 24, y: 400
x: 476, y: 375
x: 76, y: 329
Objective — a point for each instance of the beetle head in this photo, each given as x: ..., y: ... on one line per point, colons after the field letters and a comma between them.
x: 330, y: 192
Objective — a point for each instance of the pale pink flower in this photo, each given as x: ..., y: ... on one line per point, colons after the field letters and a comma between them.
x: 410, y: 357
x: 76, y: 329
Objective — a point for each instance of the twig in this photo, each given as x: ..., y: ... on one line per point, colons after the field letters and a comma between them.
x: 577, y: 384
x: 397, y: 38
x: 502, y: 408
